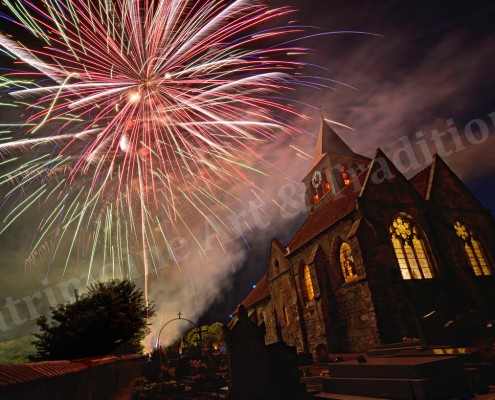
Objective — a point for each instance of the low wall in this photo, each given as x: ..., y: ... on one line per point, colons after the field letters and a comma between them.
x: 107, y: 378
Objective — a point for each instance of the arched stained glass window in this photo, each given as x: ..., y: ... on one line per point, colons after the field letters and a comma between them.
x: 410, y: 249
x: 347, y: 262
x: 474, y: 251
x: 309, y: 292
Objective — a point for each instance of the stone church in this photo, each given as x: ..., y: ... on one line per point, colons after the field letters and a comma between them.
x: 376, y: 252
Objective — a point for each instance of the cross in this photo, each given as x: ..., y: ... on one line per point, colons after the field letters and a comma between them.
x: 179, y: 314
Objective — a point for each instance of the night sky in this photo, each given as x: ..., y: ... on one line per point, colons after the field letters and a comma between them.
x: 428, y: 68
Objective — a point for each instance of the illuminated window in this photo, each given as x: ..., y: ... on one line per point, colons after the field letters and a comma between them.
x: 309, y: 292
x: 286, y: 316
x: 326, y: 185
x: 473, y: 249
x: 345, y: 176
x: 261, y: 318
x: 409, y: 249
x: 347, y: 262
x: 316, y: 197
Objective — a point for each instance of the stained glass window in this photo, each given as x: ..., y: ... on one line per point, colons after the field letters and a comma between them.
x: 308, y: 284
x: 347, y: 262
x: 410, y: 249
x: 474, y: 251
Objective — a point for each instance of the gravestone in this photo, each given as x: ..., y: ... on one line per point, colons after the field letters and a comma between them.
x: 151, y: 370
x: 284, y: 372
x: 432, y: 330
x: 322, y: 353
x: 248, y: 361
x: 467, y: 329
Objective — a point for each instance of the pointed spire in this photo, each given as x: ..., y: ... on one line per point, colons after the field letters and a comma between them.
x: 331, y: 143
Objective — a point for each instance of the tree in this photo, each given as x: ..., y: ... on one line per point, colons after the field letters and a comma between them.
x: 111, y: 318
x: 215, y: 334
x: 211, y: 336
x: 192, y: 337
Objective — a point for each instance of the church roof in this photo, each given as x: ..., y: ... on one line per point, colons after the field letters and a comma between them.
x: 328, y: 214
x: 330, y: 143
x: 421, y: 181
x: 438, y: 182
x: 260, y: 292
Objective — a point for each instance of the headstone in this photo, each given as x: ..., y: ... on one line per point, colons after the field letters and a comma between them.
x: 248, y: 360
x: 471, y: 327
x: 467, y: 329
x: 284, y: 372
x: 151, y: 370
x: 322, y: 353
x: 431, y: 330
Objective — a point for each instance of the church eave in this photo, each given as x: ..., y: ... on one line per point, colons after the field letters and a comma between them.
x: 341, y: 205
x: 294, y: 250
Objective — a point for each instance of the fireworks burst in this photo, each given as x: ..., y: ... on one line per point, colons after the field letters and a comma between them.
x: 135, y: 110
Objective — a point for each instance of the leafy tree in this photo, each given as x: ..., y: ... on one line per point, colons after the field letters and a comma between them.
x: 112, y: 317
x: 215, y: 334
x: 211, y: 336
x: 192, y: 337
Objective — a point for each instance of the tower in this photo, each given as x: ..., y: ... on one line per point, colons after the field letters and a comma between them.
x: 334, y: 166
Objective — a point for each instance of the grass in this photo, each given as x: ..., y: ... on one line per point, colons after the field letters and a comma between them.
x: 16, y: 351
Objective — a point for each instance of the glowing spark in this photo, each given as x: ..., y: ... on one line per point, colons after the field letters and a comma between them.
x: 134, y: 97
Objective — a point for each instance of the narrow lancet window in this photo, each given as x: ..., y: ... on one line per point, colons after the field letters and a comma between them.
x: 345, y: 176
x: 309, y: 292
x: 326, y: 185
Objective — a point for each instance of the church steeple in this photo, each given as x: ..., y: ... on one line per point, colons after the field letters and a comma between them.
x: 329, y: 142
x: 334, y: 165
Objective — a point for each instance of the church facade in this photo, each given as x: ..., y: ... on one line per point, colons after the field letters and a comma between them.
x: 376, y: 251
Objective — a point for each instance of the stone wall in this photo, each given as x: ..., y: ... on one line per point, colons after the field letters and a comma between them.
x: 450, y: 202
x: 285, y: 308
x: 454, y: 288
x: 341, y: 315
x: 357, y: 312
